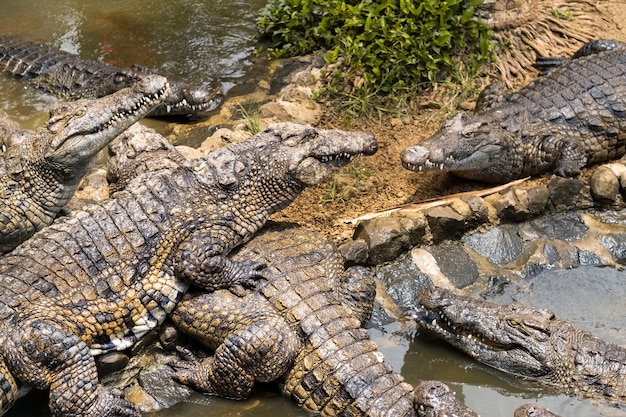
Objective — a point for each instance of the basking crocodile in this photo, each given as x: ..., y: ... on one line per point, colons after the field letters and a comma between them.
x: 68, y: 76
x: 571, y: 117
x: 528, y: 342
x: 99, y: 279
x: 303, y: 326
x: 41, y: 169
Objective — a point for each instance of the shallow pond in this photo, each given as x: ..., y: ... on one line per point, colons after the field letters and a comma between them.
x: 198, y: 41
x: 590, y: 297
x: 212, y: 41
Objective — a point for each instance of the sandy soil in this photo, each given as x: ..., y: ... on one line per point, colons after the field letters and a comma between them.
x: 380, y: 182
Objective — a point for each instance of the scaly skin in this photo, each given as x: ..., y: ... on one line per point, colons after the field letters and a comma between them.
x: 69, y: 77
x: 435, y: 399
x: 572, y: 117
x: 528, y: 342
x: 302, y: 326
x: 101, y: 278
x: 533, y: 410
x: 40, y: 170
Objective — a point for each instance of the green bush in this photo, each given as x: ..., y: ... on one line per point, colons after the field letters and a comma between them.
x: 393, y: 45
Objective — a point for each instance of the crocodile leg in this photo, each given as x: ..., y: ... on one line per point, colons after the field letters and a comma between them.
x: 200, y: 261
x: 45, y: 354
x: 249, y: 346
x: 357, y: 291
x: 8, y: 389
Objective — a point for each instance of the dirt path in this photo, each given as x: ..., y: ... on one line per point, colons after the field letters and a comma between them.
x: 380, y: 182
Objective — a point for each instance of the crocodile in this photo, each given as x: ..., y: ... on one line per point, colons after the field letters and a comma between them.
x: 98, y: 279
x: 435, y: 399
x: 70, y: 77
x: 533, y: 410
x: 528, y: 342
x: 302, y: 327
x: 572, y: 117
x: 41, y: 169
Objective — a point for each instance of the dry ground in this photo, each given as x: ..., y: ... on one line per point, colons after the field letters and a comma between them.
x: 380, y: 182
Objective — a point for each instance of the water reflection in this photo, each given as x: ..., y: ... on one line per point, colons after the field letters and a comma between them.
x: 196, y: 41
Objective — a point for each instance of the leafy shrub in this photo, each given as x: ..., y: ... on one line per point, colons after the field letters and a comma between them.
x: 384, y: 47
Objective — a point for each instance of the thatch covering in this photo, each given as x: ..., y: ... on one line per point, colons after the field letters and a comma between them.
x: 526, y: 29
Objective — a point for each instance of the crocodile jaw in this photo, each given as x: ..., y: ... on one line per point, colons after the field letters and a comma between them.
x: 514, y: 338
x: 80, y: 129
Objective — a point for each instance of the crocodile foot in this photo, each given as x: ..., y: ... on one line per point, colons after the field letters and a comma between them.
x: 113, y: 404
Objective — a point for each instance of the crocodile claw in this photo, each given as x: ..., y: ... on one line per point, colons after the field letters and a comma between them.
x: 247, y: 276
x: 113, y: 404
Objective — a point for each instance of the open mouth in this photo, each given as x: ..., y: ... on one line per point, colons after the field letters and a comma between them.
x: 338, y: 159
x: 458, y: 334
x: 143, y: 105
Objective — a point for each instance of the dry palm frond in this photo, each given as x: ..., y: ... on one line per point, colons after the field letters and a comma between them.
x: 526, y: 29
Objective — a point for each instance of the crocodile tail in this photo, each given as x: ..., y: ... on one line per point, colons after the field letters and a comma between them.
x: 26, y: 59
x: 345, y: 374
x: 8, y: 389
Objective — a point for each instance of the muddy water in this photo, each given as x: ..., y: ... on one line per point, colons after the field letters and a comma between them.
x: 199, y: 41
x: 211, y: 41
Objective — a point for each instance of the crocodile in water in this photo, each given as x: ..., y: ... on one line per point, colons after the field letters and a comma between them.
x: 569, y: 118
x: 100, y: 278
x: 528, y: 342
x: 303, y: 327
x: 533, y: 410
x: 67, y: 76
x: 41, y: 169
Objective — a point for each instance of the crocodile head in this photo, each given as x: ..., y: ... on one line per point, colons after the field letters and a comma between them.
x: 187, y: 100
x: 271, y: 168
x: 78, y: 130
x: 434, y: 398
x: 476, y: 147
x: 184, y: 99
x: 513, y: 338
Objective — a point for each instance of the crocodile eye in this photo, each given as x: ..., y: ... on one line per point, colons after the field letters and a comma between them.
x: 79, y: 113
x: 513, y: 323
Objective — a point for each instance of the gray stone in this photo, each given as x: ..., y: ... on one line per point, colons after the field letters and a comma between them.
x: 615, y: 243
x: 455, y: 263
x: 402, y: 280
x: 563, y: 226
x: 569, y: 192
x: 499, y: 245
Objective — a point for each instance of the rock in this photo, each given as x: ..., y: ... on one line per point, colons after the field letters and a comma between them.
x: 355, y: 252
x: 511, y: 204
x: 499, y: 245
x: 280, y: 110
x: 219, y: 139
x: 402, y: 280
x: 604, y: 185
x: 568, y: 193
x: 538, y: 198
x: 386, y: 238
x: 189, y: 152
x: 455, y: 263
x: 111, y: 362
x: 563, y: 226
x: 615, y: 243
x: 445, y: 223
